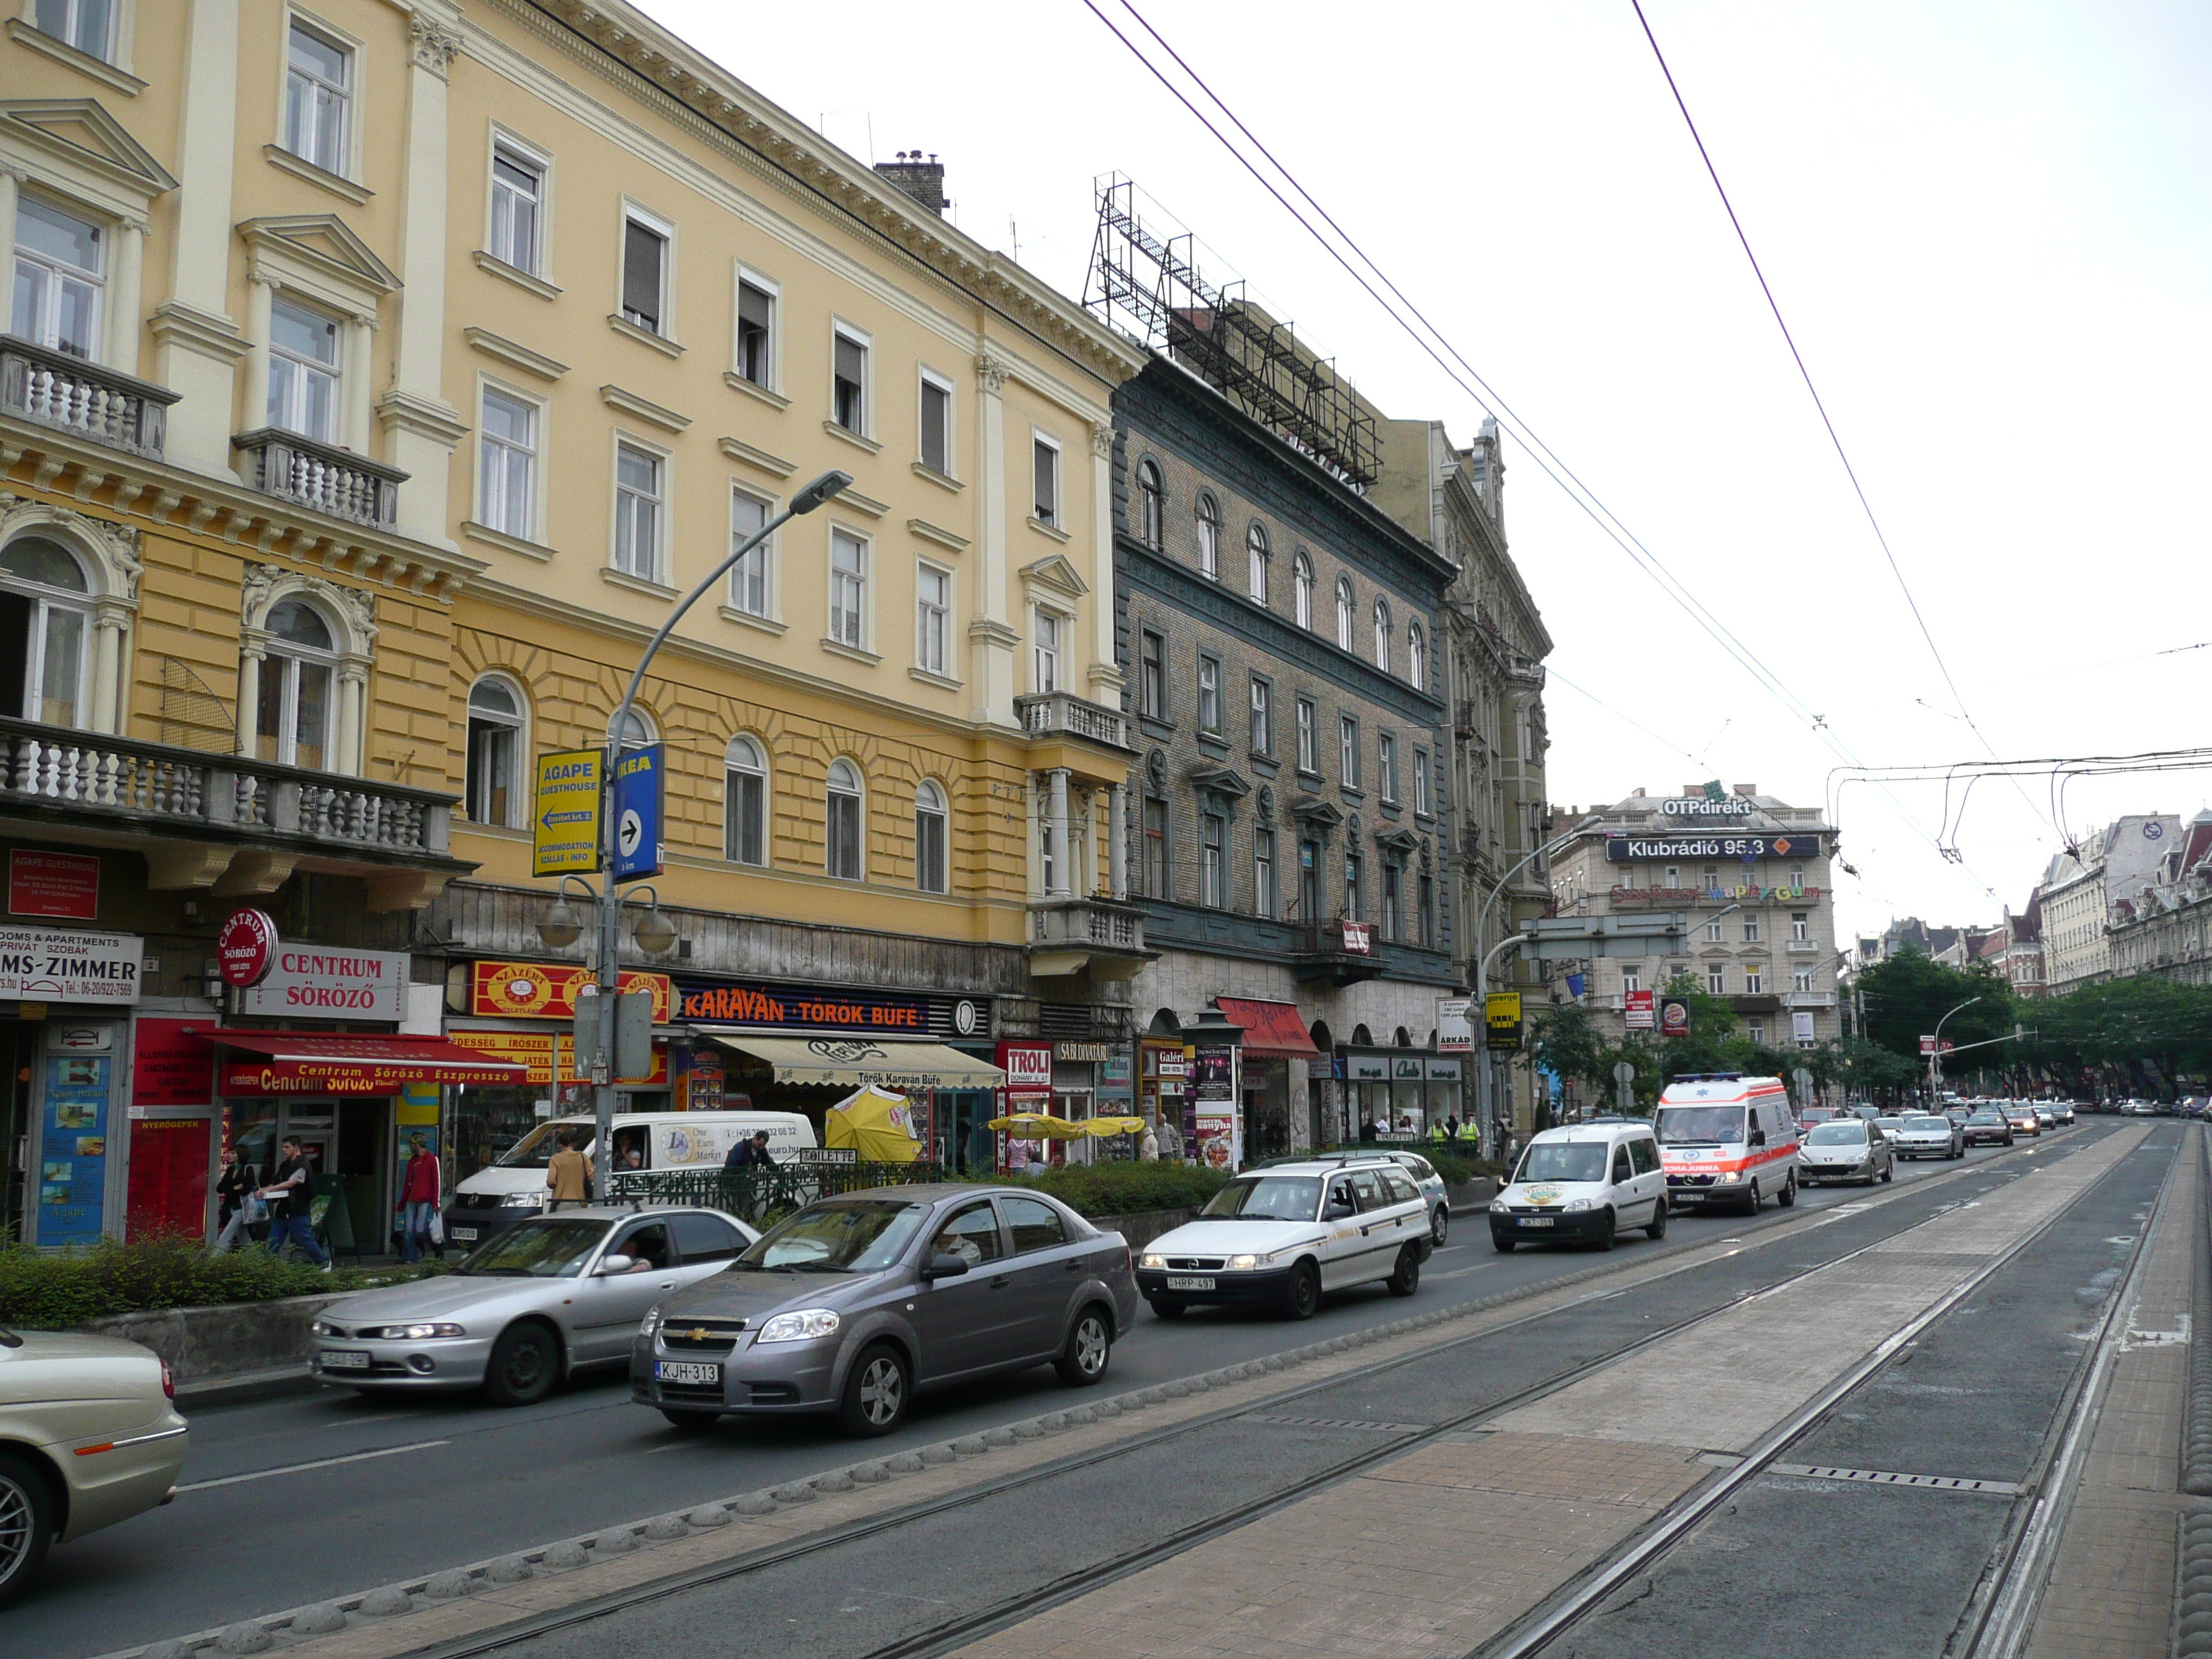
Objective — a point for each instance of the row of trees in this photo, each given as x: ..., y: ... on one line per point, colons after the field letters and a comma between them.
x: 2142, y: 1035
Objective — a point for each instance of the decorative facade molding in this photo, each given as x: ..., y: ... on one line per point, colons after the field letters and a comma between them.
x: 435, y: 43
x: 112, y: 547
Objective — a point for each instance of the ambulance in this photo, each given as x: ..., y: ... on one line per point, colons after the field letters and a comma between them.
x: 1727, y: 1140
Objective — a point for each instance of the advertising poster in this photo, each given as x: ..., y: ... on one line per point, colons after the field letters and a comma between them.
x: 73, y: 1158
x: 1217, y: 1124
x: 168, y: 1068
x: 168, y: 1191
x: 1639, y: 1012
x: 61, y: 884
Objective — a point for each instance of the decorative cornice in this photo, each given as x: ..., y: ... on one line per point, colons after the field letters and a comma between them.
x: 738, y: 450
x: 175, y: 322
x: 930, y: 532
x: 514, y: 356
x: 436, y: 43
x: 628, y: 403
x: 407, y: 411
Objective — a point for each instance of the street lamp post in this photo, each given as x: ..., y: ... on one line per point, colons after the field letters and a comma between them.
x: 1480, y: 1008
x: 611, y: 899
x: 1936, y: 1054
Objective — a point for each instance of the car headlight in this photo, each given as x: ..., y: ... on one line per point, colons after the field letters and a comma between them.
x: 415, y: 1333
x: 804, y: 1326
x: 1575, y: 1205
x: 523, y: 1201
x: 650, y: 1324
x: 1244, y: 1264
x: 1727, y: 1176
x: 1152, y: 1258
x: 322, y: 1329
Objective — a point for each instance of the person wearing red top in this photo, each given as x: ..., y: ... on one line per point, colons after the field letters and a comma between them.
x: 418, y: 1199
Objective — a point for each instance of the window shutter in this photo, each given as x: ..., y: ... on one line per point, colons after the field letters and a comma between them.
x: 641, y: 252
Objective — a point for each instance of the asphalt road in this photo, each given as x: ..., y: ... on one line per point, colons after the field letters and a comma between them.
x: 310, y: 1496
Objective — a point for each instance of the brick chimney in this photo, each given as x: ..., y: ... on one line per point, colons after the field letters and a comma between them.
x: 921, y: 178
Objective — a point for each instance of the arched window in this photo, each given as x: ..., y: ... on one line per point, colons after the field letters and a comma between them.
x: 293, y: 722
x: 1209, y: 537
x: 745, y: 802
x: 930, y: 873
x: 1417, y: 655
x: 45, y: 616
x: 842, y: 855
x: 1301, y: 583
x: 1344, y: 612
x: 1255, y: 545
x: 637, y: 730
x: 1383, y: 633
x: 494, y: 789
x: 1150, y: 504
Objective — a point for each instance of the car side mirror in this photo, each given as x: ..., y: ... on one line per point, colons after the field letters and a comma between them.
x: 1336, y: 1210
x: 616, y: 1263
x: 943, y: 1267
x: 1759, y: 1137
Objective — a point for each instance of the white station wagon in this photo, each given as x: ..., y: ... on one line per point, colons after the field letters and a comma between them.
x: 1278, y: 1237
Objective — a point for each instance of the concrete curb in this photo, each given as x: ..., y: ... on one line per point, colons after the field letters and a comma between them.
x: 2192, y: 1583
x: 2196, y: 1417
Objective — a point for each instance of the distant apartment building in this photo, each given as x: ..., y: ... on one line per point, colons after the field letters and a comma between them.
x: 2080, y: 886
x: 2163, y: 924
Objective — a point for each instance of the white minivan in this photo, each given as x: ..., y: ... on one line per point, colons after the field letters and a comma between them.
x: 514, y: 1190
x: 1585, y: 1181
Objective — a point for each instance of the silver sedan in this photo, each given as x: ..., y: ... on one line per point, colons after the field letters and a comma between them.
x: 543, y: 1299
x: 1930, y: 1136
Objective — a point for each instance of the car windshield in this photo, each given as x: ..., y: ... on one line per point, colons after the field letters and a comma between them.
x: 551, y: 1249
x: 1269, y: 1198
x: 535, y: 1150
x: 1942, y: 1123
x: 1986, y: 1118
x: 842, y: 1237
x: 1563, y: 1160
x: 1700, y: 1126
x: 1836, y: 1134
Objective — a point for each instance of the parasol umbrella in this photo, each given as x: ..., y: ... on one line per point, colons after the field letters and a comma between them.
x: 875, y: 1124
x: 1102, y: 1126
x: 1036, y: 1126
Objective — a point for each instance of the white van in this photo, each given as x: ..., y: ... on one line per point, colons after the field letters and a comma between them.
x: 1726, y: 1139
x: 1584, y: 1182
x: 514, y: 1190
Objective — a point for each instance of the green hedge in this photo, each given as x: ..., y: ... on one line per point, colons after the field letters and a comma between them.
x: 1099, y: 1190
x: 55, y: 1291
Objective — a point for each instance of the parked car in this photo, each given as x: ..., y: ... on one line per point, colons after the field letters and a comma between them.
x: 1587, y: 1182
x: 1846, y: 1150
x: 547, y: 1297
x: 1987, y: 1128
x: 1928, y: 1135
x: 89, y: 1435
x: 852, y: 1304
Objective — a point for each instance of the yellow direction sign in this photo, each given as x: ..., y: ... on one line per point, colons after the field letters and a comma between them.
x: 1502, y: 1015
x: 564, y: 824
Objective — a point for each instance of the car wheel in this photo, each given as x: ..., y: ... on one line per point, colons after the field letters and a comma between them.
x: 1888, y: 1172
x: 1089, y: 1345
x: 1788, y: 1196
x: 26, y: 1523
x: 1440, y: 1225
x: 1657, y: 1229
x: 1301, y: 1296
x: 1407, y: 1277
x: 1502, y: 1245
x: 1165, y: 1309
x: 875, y: 1393
x: 690, y: 1422
x: 1750, y: 1198
x: 1610, y: 1232
x: 524, y: 1366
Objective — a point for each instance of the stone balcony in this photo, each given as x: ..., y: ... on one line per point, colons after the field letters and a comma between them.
x: 1808, y: 998
x: 1336, y: 951
x: 321, y: 476
x: 222, y: 824
x: 1062, y: 715
x: 1104, y: 936
x: 102, y: 406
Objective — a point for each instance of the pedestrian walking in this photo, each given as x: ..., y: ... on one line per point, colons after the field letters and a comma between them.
x: 568, y: 1172
x: 1148, y: 1146
x: 418, y: 1199
x: 234, y: 1190
x: 290, y: 1197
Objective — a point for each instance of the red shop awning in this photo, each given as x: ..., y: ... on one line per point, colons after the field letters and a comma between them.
x: 1273, y: 1030
x: 348, y: 1063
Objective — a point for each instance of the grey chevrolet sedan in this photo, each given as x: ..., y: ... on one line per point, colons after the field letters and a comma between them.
x: 853, y: 1303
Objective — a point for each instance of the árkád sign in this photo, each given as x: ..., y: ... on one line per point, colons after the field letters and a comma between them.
x: 245, y: 949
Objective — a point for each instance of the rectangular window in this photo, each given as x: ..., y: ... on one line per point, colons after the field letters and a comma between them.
x: 318, y: 75
x: 1796, y: 875
x: 1309, y: 718
x: 755, y: 334
x: 1347, y: 752
x: 1392, y: 877
x: 1754, y: 1030
x: 1428, y: 913
x: 1751, y: 930
x: 848, y: 384
x: 848, y: 588
x: 843, y: 860
x: 1154, y: 871
x: 1263, y: 717
x: 932, y: 617
x: 936, y: 425
x: 1355, y: 901
x: 1045, y: 455
x: 1309, y: 902
x: 1801, y: 925
x: 749, y: 577
x: 645, y: 269
x: 1213, y: 866
x: 1386, y: 770
x: 930, y: 865
x: 518, y: 201
x: 1755, y: 981
x: 490, y: 779
x: 83, y: 23
x: 1263, y: 872
x: 1630, y: 980
x: 507, y: 469
x: 60, y: 261
x: 637, y: 512
x: 745, y: 835
x: 1713, y: 930
x: 1047, y: 664
x: 1152, y: 675
x: 1424, y: 802
x: 1209, y: 694
x: 303, y: 372
x: 1804, y: 982
x: 1717, y: 980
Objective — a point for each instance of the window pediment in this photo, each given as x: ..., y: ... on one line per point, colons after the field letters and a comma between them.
x: 319, y: 254
x: 80, y: 133
x: 1055, y: 573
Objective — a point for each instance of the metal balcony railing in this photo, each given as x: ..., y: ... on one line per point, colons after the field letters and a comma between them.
x: 103, y: 405
x: 321, y: 476
x: 1058, y: 713
x: 123, y: 778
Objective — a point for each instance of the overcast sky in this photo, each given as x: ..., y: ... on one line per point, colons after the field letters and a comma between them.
x: 1987, y: 226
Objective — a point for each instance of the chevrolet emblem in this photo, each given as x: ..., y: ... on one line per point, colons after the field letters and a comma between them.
x: 697, y: 1333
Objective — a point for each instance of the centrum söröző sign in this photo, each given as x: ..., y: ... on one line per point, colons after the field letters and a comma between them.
x: 314, y: 982
x: 46, y: 965
x: 349, y: 1077
x: 245, y: 948
x: 564, y: 815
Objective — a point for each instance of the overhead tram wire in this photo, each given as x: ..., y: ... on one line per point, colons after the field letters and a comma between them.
x: 1546, y: 461
x: 1819, y: 407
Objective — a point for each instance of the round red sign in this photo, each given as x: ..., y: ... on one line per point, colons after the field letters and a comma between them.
x: 245, y: 949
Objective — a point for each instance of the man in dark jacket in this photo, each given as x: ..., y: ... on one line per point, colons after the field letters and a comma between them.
x: 290, y: 1197
x: 749, y: 1155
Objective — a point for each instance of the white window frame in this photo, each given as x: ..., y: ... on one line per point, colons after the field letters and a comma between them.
x: 764, y: 554
x: 926, y: 381
x: 1260, y: 718
x: 1049, y: 634
x: 842, y: 329
x: 1052, y: 512
x: 858, y: 794
x: 1382, y: 634
x: 1804, y: 979
x: 355, y: 93
x: 1386, y: 765
x: 285, y: 659
x: 1754, y: 980
x: 111, y: 52
x: 56, y: 273
x: 933, y: 624
x: 731, y: 799
x: 1801, y: 927
x: 1151, y: 504
x: 1347, y: 612
x: 1301, y: 588
x: 939, y: 880
x: 1715, y: 980
x: 1423, y: 795
x: 664, y: 474
x: 744, y: 277
x: 532, y: 158
x: 488, y: 388
x: 44, y: 601
x: 1309, y: 722
x: 1259, y: 563
x: 517, y: 816
x: 1417, y: 654
x: 666, y: 229
x: 1213, y: 861
x: 1347, y: 752
x: 306, y: 368
x: 1208, y: 516
x: 1632, y: 980
x: 863, y: 589
x: 1267, y: 877
x: 1210, y: 695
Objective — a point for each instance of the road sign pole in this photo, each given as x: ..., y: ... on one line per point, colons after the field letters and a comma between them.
x: 1624, y: 1080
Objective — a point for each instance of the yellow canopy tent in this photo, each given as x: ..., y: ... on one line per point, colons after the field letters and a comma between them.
x: 1037, y: 1126
x: 1102, y: 1126
x: 874, y: 1123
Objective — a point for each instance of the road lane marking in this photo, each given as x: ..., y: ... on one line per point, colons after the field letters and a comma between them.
x: 320, y: 1464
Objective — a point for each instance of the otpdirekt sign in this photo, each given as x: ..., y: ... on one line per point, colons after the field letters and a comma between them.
x: 317, y: 982
x: 1698, y: 806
